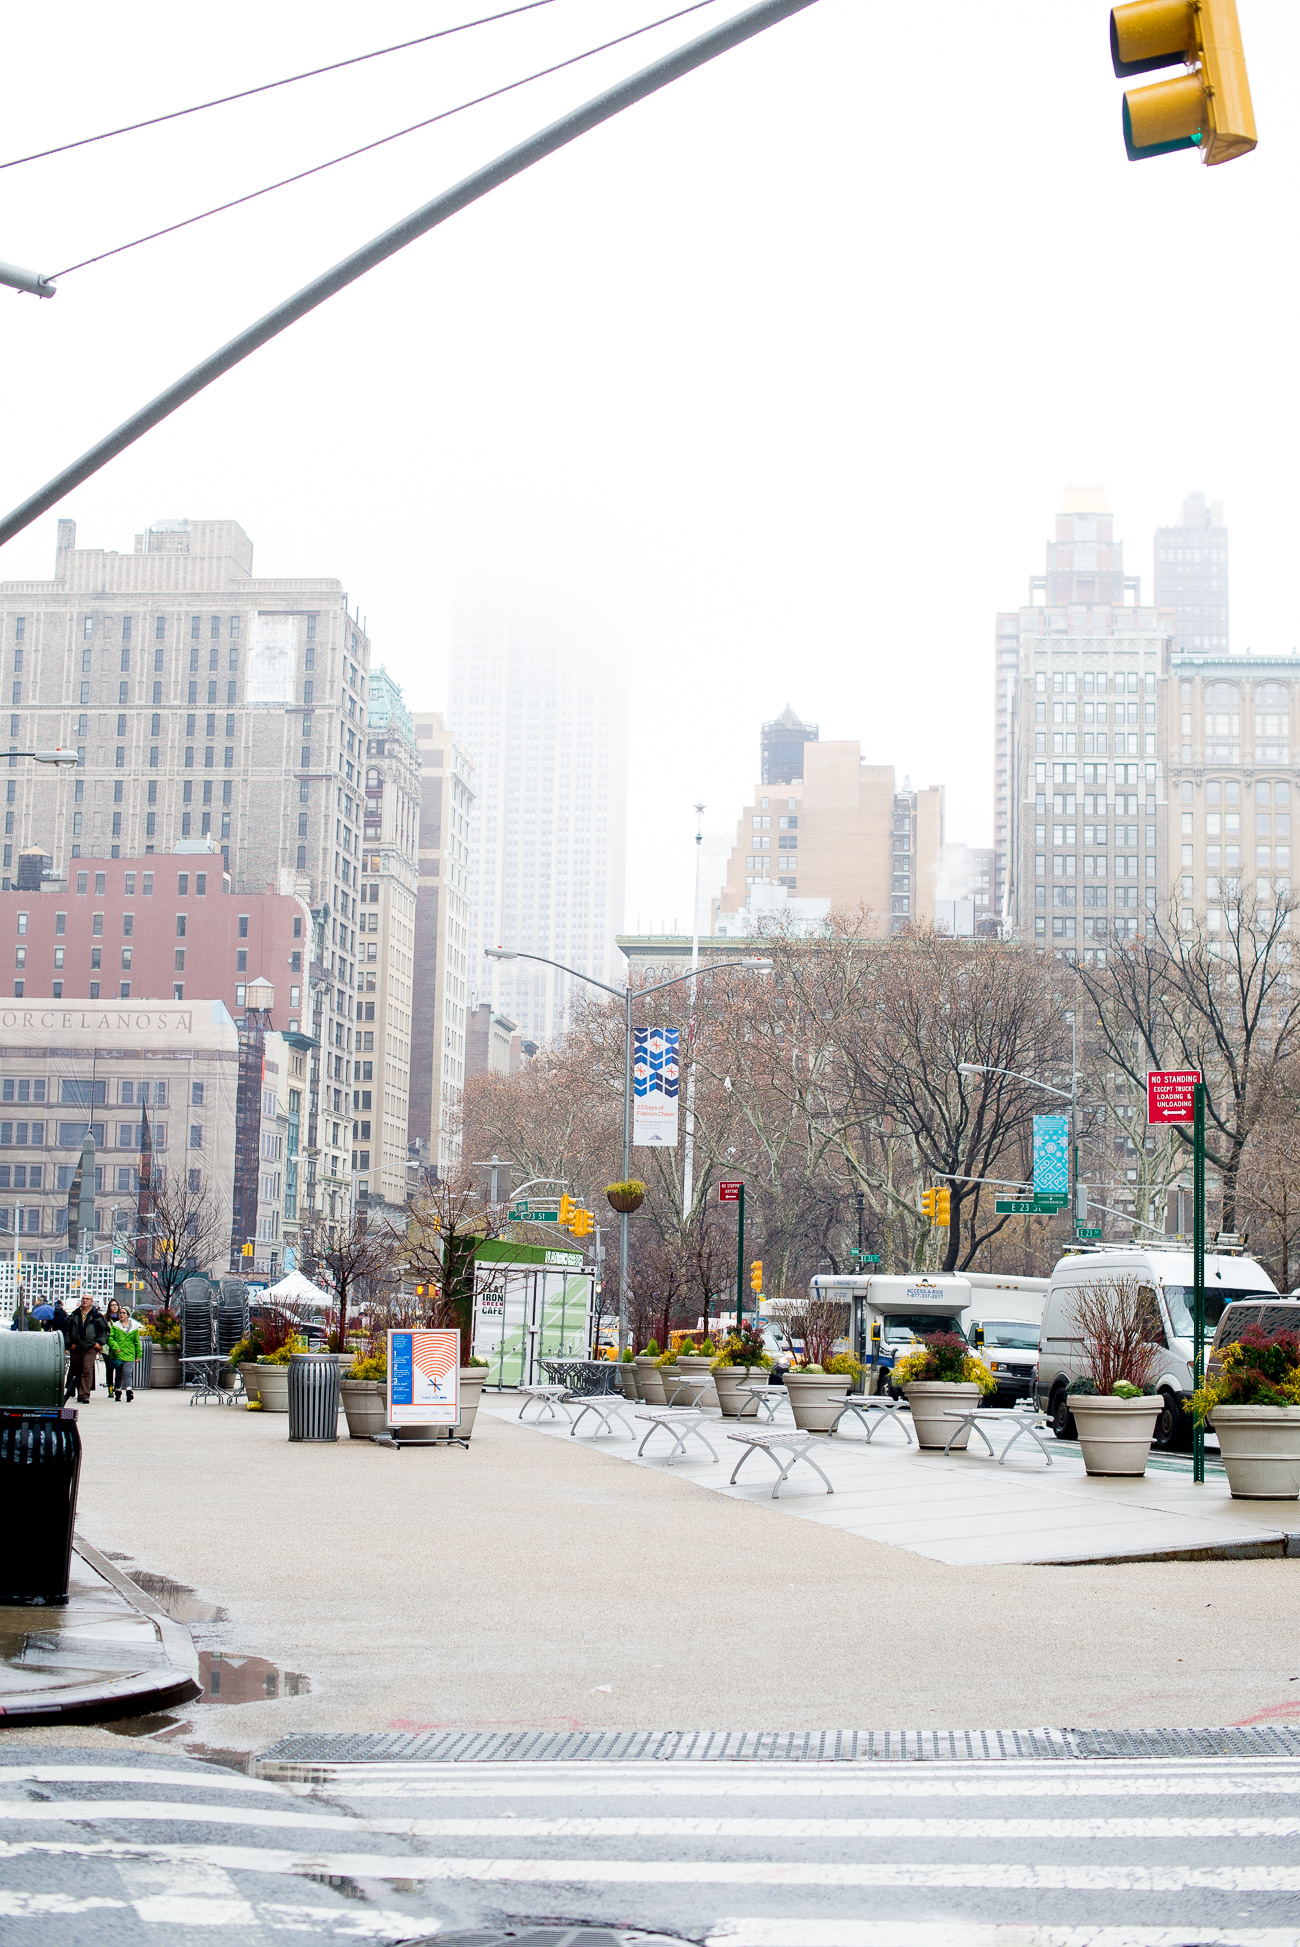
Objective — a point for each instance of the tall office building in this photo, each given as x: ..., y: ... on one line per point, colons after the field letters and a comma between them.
x: 442, y: 933
x: 386, y: 956
x: 1080, y: 772
x: 541, y: 707
x: 1191, y: 564
x: 782, y: 747
x: 212, y: 711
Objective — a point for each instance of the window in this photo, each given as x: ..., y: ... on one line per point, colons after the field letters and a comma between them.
x: 196, y: 1095
x: 180, y: 926
x: 180, y: 959
x: 196, y: 1135
x: 243, y: 926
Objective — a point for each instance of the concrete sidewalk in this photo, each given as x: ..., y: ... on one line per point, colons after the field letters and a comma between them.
x: 965, y: 1509
x: 530, y: 1582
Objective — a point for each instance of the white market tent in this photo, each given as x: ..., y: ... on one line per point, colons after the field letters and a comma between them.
x: 295, y: 1291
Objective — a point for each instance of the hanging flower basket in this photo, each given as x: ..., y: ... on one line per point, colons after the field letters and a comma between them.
x: 626, y: 1197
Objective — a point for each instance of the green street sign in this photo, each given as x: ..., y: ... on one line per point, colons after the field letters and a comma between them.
x: 523, y: 1215
x: 1029, y: 1206
x: 1089, y: 1233
x: 866, y: 1257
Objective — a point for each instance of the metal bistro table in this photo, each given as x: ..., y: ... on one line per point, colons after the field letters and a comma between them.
x: 207, y: 1368
x: 581, y: 1376
x: 1031, y: 1423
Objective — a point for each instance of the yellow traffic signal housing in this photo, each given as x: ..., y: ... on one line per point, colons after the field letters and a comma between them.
x: 1209, y: 107
x: 567, y: 1208
x: 927, y: 1204
x: 583, y: 1223
x: 756, y: 1277
x: 943, y: 1208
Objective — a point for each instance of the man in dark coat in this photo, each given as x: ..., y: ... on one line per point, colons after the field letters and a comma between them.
x: 84, y: 1333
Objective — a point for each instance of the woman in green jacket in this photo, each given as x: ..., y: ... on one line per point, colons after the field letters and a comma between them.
x: 123, y: 1348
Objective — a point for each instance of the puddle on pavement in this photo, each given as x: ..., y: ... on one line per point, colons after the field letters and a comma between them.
x: 230, y: 1679
x: 175, y: 1599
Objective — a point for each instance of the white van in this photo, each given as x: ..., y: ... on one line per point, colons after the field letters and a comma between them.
x: 1167, y: 1275
x: 908, y: 1308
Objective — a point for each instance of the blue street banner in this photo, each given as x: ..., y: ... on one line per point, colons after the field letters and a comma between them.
x: 654, y: 1088
x: 1051, y: 1156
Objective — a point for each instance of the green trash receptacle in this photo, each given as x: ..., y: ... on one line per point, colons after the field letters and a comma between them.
x: 32, y: 1365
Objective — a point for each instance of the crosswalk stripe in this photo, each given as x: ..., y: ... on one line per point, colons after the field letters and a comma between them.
x: 185, y: 1893
x: 118, y: 1774
x: 927, y: 1875
x: 97, y: 1810
x: 809, y: 1931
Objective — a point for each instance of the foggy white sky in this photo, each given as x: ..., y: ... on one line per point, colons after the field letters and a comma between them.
x: 781, y: 374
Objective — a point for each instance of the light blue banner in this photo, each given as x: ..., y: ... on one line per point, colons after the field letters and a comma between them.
x: 1051, y: 1155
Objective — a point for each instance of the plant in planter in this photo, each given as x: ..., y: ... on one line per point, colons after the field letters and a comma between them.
x: 743, y: 1360
x: 1253, y: 1405
x: 164, y: 1328
x: 273, y: 1374
x: 243, y: 1357
x: 1114, y: 1406
x: 940, y: 1374
x: 649, y: 1380
x: 363, y: 1388
x: 626, y: 1197
x: 815, y: 1393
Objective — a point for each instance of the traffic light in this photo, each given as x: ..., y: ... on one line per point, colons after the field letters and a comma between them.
x: 756, y: 1277
x: 1209, y: 107
x: 583, y: 1223
x: 567, y: 1208
x: 927, y: 1203
x: 943, y: 1208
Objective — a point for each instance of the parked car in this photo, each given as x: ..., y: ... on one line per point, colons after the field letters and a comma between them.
x: 1165, y: 1277
x: 1010, y: 1350
x: 1281, y: 1316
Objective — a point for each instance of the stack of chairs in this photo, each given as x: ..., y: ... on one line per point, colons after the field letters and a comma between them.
x: 232, y: 1313
x: 198, y: 1326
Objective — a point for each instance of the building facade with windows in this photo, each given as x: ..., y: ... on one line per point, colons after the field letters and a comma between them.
x: 1232, y: 784
x: 66, y: 1067
x: 1191, y: 577
x: 1081, y: 769
x: 209, y: 707
x: 443, y: 919
x: 386, y: 945
x: 540, y: 705
x: 847, y: 833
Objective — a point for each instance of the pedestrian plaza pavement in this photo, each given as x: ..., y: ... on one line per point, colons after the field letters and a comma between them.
x: 962, y: 1509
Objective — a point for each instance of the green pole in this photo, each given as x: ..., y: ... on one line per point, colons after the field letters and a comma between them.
x: 740, y: 1259
x: 1198, y: 1270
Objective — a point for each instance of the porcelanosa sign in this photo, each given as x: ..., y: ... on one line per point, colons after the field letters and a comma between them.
x: 98, y: 1020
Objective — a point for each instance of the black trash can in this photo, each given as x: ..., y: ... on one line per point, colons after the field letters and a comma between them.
x: 313, y: 1396
x: 40, y: 1463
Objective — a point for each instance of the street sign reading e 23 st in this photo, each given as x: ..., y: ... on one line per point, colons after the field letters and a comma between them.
x: 1170, y: 1095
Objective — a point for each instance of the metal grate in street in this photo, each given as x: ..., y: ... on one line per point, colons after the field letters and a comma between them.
x: 781, y: 1747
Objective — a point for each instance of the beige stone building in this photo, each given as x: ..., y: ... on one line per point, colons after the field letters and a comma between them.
x: 441, y: 992
x: 846, y: 832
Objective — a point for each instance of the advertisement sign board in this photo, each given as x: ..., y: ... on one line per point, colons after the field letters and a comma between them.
x: 423, y: 1378
x: 1169, y: 1094
x: 654, y: 1088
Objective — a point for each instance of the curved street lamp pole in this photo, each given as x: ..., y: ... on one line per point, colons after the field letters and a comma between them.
x: 626, y: 995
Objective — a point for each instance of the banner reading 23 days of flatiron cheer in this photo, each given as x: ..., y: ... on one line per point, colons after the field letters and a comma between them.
x: 654, y: 1088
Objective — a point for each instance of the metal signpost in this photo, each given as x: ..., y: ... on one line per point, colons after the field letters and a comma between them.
x: 1178, y: 1095
x: 734, y: 1192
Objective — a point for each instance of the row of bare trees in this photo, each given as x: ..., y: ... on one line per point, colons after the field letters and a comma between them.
x: 870, y: 1068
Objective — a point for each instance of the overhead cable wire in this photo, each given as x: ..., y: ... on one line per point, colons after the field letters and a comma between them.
x: 266, y: 87
x: 317, y: 168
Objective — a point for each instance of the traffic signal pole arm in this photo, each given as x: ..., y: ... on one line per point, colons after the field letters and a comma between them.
x: 579, y: 121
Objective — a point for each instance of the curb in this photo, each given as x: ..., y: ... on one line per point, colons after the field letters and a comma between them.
x: 134, y: 1696
x: 1265, y: 1548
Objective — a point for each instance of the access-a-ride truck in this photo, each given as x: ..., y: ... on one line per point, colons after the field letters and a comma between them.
x: 890, y: 1314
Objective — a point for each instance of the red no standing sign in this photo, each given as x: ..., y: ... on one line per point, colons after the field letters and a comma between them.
x: 729, y: 1192
x: 1169, y: 1094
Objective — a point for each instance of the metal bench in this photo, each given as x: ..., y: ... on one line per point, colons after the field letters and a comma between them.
x: 548, y: 1396
x: 681, y: 1422
x: 981, y: 1417
x: 607, y: 1407
x: 688, y: 1387
x: 869, y: 1412
x: 795, y: 1444
x: 765, y: 1399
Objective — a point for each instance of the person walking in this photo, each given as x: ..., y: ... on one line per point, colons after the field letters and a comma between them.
x: 123, y: 1348
x: 85, y: 1332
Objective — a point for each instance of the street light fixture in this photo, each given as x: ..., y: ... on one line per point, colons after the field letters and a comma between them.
x: 57, y: 756
x: 626, y: 995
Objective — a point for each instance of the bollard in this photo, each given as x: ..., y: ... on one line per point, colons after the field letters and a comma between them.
x: 313, y: 1396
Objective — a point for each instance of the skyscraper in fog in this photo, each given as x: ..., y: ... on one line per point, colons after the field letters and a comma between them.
x: 539, y: 703
x: 1191, y: 563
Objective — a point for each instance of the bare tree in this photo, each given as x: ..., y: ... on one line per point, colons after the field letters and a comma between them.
x: 358, y: 1262
x: 1223, y: 1002
x: 1268, y: 1188
x: 180, y: 1229
x: 447, y: 1221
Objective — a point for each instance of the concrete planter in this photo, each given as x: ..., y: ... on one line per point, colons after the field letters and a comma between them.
x: 810, y: 1396
x: 1260, y: 1446
x: 727, y: 1382
x: 273, y: 1388
x: 363, y: 1407
x: 166, y: 1365
x: 652, y: 1384
x: 929, y: 1400
x: 249, y: 1374
x: 628, y: 1374
x: 1115, y: 1434
x: 642, y: 1365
